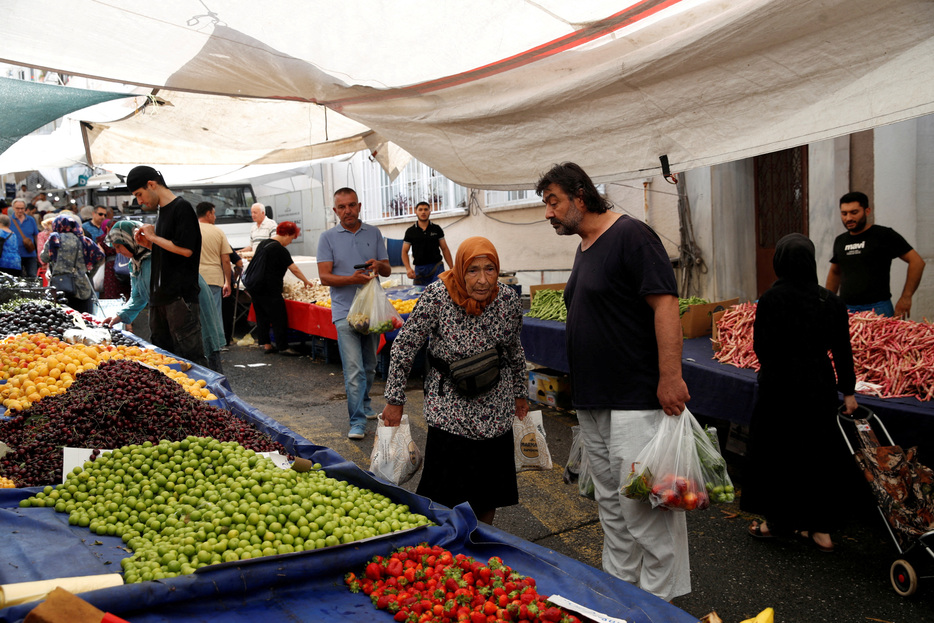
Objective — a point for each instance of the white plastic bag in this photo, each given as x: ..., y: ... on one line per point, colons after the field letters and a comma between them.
x: 395, y: 456
x: 531, y: 449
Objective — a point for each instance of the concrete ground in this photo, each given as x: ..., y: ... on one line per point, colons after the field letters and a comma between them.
x: 733, y: 574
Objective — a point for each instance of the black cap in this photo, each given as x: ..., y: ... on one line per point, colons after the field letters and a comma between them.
x: 139, y: 176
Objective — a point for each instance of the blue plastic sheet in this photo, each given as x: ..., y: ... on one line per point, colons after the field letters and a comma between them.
x: 38, y: 543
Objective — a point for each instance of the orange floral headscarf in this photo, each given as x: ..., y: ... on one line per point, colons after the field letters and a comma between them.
x: 456, y: 279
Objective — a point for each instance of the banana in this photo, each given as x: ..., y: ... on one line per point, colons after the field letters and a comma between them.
x: 766, y: 616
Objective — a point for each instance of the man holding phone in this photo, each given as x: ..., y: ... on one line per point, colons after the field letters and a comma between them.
x: 350, y: 254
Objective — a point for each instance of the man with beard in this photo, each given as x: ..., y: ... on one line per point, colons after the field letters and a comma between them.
x: 862, y: 260
x: 175, y: 240
x: 426, y: 239
x: 624, y: 351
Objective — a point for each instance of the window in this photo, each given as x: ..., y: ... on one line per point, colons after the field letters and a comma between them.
x: 507, y: 198
x: 383, y: 199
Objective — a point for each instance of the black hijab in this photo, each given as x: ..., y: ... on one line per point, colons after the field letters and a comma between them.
x: 794, y: 260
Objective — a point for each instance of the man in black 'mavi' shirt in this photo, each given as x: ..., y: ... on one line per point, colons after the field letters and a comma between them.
x: 862, y: 258
x: 175, y: 240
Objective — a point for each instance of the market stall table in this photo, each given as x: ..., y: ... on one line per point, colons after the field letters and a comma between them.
x: 315, y: 320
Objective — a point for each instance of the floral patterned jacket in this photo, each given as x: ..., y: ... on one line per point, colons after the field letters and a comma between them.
x: 454, y: 334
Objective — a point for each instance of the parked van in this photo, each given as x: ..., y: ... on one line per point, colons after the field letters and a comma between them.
x: 231, y: 204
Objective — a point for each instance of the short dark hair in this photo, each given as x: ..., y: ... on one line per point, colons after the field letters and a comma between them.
x: 203, y: 208
x: 346, y: 190
x: 287, y: 228
x: 422, y: 203
x: 576, y: 183
x: 141, y: 175
x: 855, y: 197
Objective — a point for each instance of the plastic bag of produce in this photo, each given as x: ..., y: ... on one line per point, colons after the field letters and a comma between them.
x: 371, y: 311
x: 572, y: 469
x: 578, y: 466
x: 668, y: 471
x: 585, y: 479
x: 716, y: 479
x: 531, y: 449
x: 395, y: 457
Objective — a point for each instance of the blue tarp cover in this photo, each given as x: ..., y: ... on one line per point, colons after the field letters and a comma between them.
x: 38, y: 544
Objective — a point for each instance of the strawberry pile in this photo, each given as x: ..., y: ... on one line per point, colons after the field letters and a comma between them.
x: 428, y: 583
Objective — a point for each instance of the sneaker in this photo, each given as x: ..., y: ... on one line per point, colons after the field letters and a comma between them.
x: 356, y: 433
x: 372, y: 416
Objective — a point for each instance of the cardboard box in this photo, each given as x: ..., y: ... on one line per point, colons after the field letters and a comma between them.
x: 697, y: 320
x: 550, y: 387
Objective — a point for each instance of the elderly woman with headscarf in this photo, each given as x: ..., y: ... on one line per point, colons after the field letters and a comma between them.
x: 469, y: 451
x: 121, y: 237
x: 796, y: 455
x: 69, y: 251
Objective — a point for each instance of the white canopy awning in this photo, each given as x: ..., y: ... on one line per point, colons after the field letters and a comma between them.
x: 492, y: 92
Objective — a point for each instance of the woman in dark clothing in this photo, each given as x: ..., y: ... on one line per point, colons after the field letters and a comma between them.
x: 794, y: 461
x: 267, y: 292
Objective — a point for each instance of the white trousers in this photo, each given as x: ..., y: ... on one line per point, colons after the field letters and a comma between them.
x: 643, y: 546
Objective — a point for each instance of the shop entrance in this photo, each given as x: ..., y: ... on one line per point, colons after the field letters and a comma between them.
x: 781, y: 205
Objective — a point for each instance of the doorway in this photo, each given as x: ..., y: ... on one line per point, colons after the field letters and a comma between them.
x: 781, y: 205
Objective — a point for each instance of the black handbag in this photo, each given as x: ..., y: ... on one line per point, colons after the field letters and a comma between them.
x: 65, y: 283
x: 474, y: 375
x: 256, y: 270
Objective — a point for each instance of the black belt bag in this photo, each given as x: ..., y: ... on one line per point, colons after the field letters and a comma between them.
x: 474, y: 375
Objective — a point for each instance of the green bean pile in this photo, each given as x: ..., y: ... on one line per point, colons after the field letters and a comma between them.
x: 548, y: 305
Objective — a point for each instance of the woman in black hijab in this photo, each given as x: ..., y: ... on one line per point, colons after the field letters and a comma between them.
x: 796, y: 467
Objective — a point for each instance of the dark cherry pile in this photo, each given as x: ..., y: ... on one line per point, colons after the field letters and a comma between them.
x: 120, y: 403
x: 40, y: 317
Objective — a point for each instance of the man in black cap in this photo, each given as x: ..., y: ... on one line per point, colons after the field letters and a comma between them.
x: 175, y: 241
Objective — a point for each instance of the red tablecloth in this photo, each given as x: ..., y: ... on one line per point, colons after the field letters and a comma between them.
x: 311, y: 319
x: 308, y: 318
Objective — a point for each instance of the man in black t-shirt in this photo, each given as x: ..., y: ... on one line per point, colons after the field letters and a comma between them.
x: 624, y: 350
x: 175, y: 240
x: 862, y: 260
x: 427, y: 243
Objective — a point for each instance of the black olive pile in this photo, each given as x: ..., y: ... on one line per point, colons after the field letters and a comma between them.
x: 40, y: 317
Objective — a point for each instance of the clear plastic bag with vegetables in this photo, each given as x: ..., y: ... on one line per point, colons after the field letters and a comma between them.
x: 716, y: 479
x: 371, y: 311
x: 668, y: 471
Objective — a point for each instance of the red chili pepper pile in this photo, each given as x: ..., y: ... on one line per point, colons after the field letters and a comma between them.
x: 734, y: 332
x: 895, y: 355
x: 428, y: 583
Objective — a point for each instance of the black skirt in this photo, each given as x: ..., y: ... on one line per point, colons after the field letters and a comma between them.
x: 481, y: 472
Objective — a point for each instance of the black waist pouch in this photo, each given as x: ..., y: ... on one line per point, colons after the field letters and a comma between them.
x: 474, y: 375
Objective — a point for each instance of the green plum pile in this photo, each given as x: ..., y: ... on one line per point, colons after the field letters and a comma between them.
x: 122, y: 402
x: 182, y: 505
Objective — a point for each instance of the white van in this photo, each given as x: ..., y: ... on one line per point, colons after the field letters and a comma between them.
x: 231, y: 204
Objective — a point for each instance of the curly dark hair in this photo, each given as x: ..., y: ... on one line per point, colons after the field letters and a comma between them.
x: 573, y: 181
